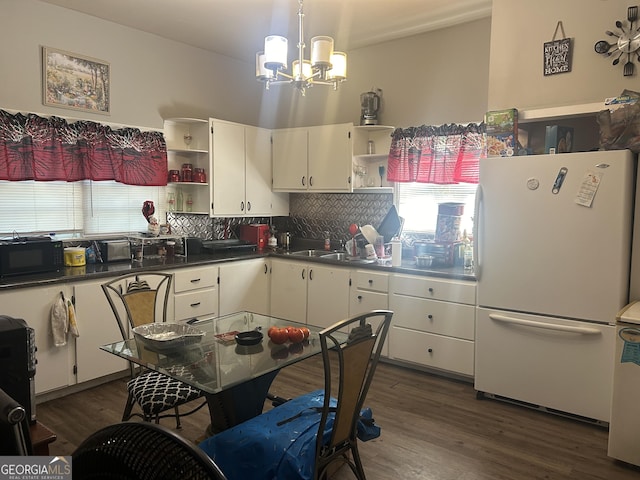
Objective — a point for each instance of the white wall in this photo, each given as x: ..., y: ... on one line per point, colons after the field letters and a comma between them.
x: 438, y: 77
x: 519, y: 30
x: 151, y: 77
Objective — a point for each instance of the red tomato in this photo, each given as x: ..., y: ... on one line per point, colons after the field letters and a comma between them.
x: 296, y: 335
x: 271, y: 330
x: 279, y: 336
x: 305, y: 331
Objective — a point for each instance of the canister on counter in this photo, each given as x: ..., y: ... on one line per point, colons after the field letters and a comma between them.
x: 448, y: 226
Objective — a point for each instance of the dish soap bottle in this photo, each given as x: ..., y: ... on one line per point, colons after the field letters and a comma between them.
x: 467, y: 253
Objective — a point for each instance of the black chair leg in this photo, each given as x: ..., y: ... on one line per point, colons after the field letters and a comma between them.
x: 126, y: 415
x: 178, y: 424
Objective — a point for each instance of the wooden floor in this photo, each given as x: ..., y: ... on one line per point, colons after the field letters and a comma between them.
x: 432, y: 428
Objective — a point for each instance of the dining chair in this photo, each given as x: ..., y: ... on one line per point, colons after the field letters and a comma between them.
x: 141, y: 451
x: 135, y: 300
x: 304, y: 437
x: 15, y: 438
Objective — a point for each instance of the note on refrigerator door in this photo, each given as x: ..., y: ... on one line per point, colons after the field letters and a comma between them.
x: 588, y: 188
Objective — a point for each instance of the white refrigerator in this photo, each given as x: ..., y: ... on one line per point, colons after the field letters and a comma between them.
x: 553, y: 248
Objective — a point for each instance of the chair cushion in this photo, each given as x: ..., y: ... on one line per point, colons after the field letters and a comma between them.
x: 260, y: 449
x: 156, y: 392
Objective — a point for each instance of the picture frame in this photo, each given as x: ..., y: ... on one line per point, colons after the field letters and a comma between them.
x: 75, y: 82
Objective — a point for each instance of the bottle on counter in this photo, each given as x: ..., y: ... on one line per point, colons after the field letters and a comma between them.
x: 467, y: 252
x: 396, y: 252
x: 327, y: 241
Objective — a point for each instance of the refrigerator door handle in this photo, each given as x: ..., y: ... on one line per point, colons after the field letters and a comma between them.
x: 545, y: 326
x: 477, y: 267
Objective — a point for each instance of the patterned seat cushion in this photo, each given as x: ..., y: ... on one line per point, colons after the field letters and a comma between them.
x: 156, y: 392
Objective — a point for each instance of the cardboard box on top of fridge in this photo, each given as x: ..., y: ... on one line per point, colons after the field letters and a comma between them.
x: 619, y: 123
x: 501, y: 128
x: 558, y: 139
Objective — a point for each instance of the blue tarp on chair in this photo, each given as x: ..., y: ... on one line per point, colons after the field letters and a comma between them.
x: 262, y: 449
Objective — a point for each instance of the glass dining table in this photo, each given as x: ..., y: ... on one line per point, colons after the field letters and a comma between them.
x: 235, y: 378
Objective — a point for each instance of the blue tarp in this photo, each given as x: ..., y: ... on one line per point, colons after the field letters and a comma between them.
x: 260, y: 449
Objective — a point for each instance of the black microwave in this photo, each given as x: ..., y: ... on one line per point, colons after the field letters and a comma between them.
x: 30, y: 255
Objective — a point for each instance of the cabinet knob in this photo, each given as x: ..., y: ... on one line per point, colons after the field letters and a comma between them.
x: 266, y: 269
x: 359, y: 297
x: 304, y: 180
x: 311, y: 181
x: 248, y: 206
x: 310, y: 274
x: 370, y: 282
x: 430, y: 350
x: 242, y: 206
x: 430, y: 317
x: 302, y: 274
x: 430, y: 289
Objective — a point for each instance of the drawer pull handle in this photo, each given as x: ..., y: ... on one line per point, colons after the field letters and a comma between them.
x: 547, y: 326
x: 430, y: 289
x: 430, y: 350
x: 195, y: 304
x: 195, y: 280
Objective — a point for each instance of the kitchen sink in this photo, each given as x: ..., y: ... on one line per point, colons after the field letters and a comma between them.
x: 343, y: 257
x: 309, y: 253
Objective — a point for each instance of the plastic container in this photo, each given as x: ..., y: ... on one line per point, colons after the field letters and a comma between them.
x: 396, y: 252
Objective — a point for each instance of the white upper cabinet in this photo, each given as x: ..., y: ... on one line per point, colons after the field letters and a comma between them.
x: 236, y: 160
x: 188, y: 143
x: 315, y: 159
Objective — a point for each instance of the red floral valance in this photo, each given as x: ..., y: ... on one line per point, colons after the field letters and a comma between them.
x: 446, y: 154
x: 45, y: 149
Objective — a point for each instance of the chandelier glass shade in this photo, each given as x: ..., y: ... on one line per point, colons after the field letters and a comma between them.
x: 326, y: 66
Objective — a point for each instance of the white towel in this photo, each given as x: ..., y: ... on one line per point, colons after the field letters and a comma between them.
x: 59, y: 321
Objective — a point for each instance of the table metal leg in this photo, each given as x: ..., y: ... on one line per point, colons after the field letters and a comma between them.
x: 238, y: 404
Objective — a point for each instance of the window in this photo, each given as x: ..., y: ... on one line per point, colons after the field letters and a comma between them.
x: 418, y: 204
x: 75, y: 207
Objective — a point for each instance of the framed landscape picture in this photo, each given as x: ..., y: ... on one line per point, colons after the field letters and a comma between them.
x: 75, y: 81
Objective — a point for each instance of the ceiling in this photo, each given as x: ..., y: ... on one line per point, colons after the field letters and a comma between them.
x: 237, y: 28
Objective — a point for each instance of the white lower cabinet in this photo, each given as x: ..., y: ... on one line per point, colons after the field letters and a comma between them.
x: 244, y: 285
x: 55, y: 367
x: 195, y: 292
x: 327, y: 295
x: 289, y: 290
x: 97, y: 326
x: 309, y: 293
x: 433, y: 323
x: 369, y: 291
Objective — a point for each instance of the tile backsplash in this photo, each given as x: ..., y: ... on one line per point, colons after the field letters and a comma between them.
x: 310, y: 215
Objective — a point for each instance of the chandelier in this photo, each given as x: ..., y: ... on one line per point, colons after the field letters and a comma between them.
x: 326, y: 66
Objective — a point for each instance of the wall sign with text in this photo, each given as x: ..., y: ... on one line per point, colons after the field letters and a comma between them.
x: 557, y: 54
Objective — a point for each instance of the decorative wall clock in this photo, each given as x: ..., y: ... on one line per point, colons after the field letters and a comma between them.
x: 628, y: 43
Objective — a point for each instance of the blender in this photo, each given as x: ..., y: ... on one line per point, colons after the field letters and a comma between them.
x: 370, y: 104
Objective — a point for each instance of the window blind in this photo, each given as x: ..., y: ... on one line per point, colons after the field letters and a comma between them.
x: 418, y: 204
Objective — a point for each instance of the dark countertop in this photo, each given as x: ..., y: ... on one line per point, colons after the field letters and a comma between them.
x: 104, y: 270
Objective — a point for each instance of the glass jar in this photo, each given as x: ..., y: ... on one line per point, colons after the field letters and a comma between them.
x: 174, y: 176
x: 187, y: 172
x: 170, y: 248
x: 199, y: 176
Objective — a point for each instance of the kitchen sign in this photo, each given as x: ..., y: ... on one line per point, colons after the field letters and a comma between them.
x: 557, y: 54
